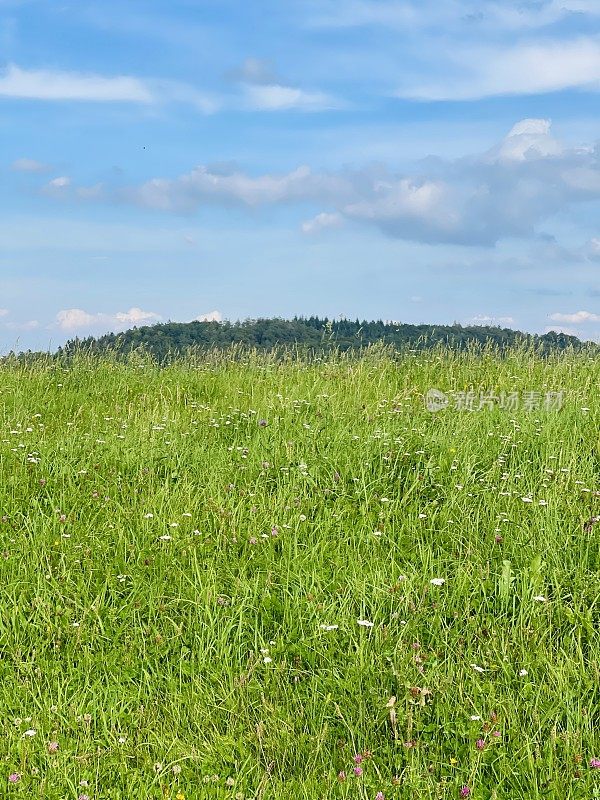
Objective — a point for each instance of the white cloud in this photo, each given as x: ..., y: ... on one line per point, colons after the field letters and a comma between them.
x: 472, y: 73
x: 55, y: 85
x: 203, y: 185
x: 4, y: 312
x: 562, y: 329
x: 275, y: 97
x: 255, y: 70
x: 322, y: 222
x: 507, y: 191
x: 73, y: 319
x: 485, y: 319
x: 212, y: 316
x: 479, y: 15
x: 592, y: 250
x: 528, y: 139
x: 135, y: 316
x: 29, y: 165
x: 62, y: 182
x: 264, y: 90
x: 29, y: 325
x: 578, y: 316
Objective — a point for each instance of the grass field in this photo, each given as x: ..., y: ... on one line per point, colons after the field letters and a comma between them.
x: 249, y: 579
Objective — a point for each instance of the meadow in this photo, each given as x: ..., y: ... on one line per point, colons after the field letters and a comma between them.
x: 249, y: 578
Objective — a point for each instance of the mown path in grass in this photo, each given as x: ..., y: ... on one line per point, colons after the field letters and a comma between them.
x: 250, y: 579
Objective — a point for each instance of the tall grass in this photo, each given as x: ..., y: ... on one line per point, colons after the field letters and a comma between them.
x: 187, y: 553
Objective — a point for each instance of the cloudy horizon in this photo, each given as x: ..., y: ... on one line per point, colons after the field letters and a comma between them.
x: 380, y: 159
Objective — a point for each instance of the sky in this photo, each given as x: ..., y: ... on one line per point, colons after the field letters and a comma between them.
x: 431, y: 161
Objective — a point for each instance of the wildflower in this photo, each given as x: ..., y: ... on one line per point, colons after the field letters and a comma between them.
x: 30, y: 733
x: 522, y: 673
x: 477, y: 668
x: 358, y: 771
x: 475, y: 718
x: 262, y: 423
x: 595, y: 763
x: 379, y: 796
x: 480, y: 744
x: 329, y: 627
x: 438, y: 581
x: 14, y: 777
x: 180, y: 796
x: 176, y: 769
x: 230, y: 782
x: 267, y: 659
x: 540, y: 598
x: 464, y: 792
x: 52, y: 747
x: 358, y: 759
x: 365, y: 623
x: 83, y: 797
x: 341, y: 776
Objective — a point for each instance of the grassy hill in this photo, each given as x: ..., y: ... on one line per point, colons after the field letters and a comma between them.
x: 310, y: 335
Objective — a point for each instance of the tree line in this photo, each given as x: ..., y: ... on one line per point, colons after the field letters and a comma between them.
x: 310, y: 335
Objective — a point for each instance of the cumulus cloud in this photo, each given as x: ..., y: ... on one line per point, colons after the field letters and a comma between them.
x: 507, y: 191
x: 136, y: 316
x: 70, y: 319
x: 211, y: 316
x: 472, y: 73
x: 577, y: 317
x: 73, y: 319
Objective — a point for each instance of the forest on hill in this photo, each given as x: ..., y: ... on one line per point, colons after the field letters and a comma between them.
x: 310, y: 335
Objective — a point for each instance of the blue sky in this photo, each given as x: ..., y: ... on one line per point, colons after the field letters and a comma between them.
x: 421, y: 161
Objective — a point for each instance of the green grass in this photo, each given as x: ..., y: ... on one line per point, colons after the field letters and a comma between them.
x: 204, y: 652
